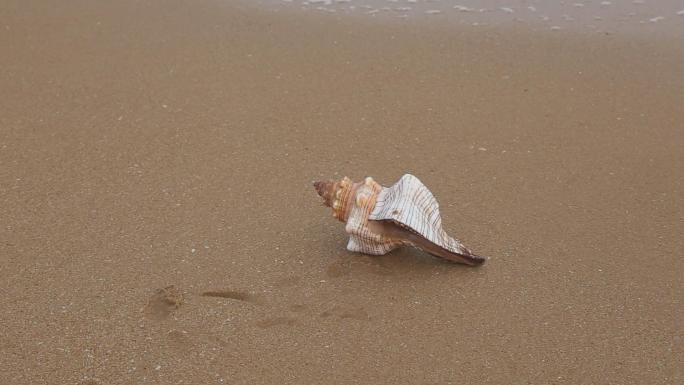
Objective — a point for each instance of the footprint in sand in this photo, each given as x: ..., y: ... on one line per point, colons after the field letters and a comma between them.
x: 164, y: 302
x: 236, y: 295
x: 255, y: 299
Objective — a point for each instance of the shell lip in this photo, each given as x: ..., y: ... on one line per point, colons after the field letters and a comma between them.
x: 465, y: 257
x: 469, y: 259
x: 473, y: 259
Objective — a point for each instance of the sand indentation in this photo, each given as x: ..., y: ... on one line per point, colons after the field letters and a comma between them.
x: 164, y: 302
x: 234, y: 294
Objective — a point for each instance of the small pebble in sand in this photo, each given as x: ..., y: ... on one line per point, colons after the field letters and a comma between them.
x: 507, y: 9
x: 532, y: 8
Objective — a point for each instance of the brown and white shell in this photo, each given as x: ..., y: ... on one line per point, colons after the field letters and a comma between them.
x: 380, y: 219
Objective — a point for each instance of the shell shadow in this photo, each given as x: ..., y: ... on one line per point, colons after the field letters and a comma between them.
x: 401, y: 264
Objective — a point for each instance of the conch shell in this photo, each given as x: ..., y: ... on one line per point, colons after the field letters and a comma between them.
x: 380, y: 219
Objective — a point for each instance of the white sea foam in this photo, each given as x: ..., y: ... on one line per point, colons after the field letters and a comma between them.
x: 462, y: 8
x: 569, y: 14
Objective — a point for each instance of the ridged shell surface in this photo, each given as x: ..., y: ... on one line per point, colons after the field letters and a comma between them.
x: 410, y: 204
x: 361, y: 238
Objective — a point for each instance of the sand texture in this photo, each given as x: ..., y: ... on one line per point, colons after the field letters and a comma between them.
x: 159, y: 226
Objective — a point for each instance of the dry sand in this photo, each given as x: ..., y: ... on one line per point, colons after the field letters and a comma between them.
x: 159, y: 223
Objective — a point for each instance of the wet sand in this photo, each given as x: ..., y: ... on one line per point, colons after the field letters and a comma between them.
x: 159, y: 223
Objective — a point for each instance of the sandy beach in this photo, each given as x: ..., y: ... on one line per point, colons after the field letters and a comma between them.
x: 159, y: 224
